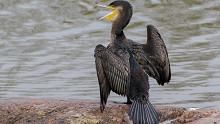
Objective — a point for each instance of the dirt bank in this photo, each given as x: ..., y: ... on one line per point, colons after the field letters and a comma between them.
x: 57, y: 111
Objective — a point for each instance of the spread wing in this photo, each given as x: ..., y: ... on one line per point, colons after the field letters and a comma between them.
x: 113, y: 73
x: 140, y: 55
x: 156, y: 52
x: 152, y: 56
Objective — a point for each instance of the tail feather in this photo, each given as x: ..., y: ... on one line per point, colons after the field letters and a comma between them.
x: 139, y: 112
x: 155, y: 114
x: 131, y: 111
x: 136, y: 113
x: 149, y: 115
x: 142, y: 113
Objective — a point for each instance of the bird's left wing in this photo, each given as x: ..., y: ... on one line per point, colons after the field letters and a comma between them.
x: 113, y: 73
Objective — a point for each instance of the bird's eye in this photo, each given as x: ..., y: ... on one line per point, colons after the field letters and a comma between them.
x: 113, y: 5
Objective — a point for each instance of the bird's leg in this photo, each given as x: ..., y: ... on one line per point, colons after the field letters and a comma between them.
x: 128, y: 101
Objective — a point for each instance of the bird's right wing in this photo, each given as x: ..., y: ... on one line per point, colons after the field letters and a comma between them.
x: 113, y: 73
x: 156, y: 51
x: 143, y: 60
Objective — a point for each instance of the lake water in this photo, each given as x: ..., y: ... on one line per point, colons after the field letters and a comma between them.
x: 46, y: 48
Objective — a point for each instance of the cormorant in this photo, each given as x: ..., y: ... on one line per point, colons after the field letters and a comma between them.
x: 123, y: 65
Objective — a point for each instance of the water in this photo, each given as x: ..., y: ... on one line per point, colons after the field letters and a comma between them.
x: 46, y: 48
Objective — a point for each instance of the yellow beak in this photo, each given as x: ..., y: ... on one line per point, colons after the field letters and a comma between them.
x: 108, y: 16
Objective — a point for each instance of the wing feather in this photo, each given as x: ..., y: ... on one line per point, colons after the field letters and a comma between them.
x: 118, y: 75
x: 156, y: 51
x: 115, y: 69
x: 103, y: 82
x: 152, y: 56
x: 142, y: 59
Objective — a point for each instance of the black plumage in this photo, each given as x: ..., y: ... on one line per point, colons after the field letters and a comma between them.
x: 156, y: 52
x: 141, y: 110
x: 123, y: 65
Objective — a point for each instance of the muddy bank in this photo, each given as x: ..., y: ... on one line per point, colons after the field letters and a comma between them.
x: 57, y: 111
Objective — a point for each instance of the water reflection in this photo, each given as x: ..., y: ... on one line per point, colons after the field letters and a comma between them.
x: 46, y: 48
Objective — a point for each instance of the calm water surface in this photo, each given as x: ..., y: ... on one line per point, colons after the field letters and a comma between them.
x: 46, y: 48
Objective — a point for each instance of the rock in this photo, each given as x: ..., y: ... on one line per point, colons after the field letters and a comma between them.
x: 57, y: 111
x: 200, y: 116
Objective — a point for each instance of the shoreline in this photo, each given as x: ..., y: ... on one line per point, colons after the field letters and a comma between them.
x: 69, y: 111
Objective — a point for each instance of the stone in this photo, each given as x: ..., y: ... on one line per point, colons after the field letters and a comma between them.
x: 68, y: 111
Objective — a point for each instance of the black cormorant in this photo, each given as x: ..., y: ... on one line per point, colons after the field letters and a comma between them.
x: 123, y: 65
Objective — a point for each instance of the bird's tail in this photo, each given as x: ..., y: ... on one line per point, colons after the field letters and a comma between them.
x: 143, y: 113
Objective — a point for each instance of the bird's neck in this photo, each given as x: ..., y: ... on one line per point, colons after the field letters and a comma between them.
x: 117, y: 30
x: 118, y: 38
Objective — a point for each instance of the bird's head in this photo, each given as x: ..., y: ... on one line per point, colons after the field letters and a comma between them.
x: 122, y: 11
x: 120, y: 17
